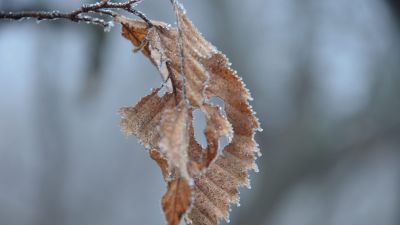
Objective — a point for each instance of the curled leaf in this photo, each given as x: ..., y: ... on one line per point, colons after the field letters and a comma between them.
x: 202, y: 184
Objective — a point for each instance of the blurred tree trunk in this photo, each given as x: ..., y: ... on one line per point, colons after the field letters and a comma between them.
x: 394, y: 6
x: 51, y: 134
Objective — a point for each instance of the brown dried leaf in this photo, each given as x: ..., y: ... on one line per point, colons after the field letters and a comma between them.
x: 142, y: 119
x: 177, y: 200
x: 161, y: 162
x: 196, y: 72
x: 175, y: 138
x: 217, y: 127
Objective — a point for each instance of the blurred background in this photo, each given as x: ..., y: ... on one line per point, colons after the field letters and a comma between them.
x: 324, y: 76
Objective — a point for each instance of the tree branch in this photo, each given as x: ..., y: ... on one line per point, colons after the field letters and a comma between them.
x: 104, y: 7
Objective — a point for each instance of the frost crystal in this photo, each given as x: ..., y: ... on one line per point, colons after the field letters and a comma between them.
x: 110, y: 24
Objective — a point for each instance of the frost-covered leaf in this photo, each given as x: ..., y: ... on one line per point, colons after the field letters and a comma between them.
x: 175, y: 138
x: 195, y: 72
x: 176, y: 201
x: 142, y: 119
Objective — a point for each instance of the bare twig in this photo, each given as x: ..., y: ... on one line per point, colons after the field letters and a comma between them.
x: 104, y: 7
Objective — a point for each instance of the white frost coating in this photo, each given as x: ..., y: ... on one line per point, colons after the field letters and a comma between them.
x: 110, y: 24
x: 177, y: 157
x: 227, y: 219
x: 255, y: 168
x: 258, y: 152
x: 181, y: 7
